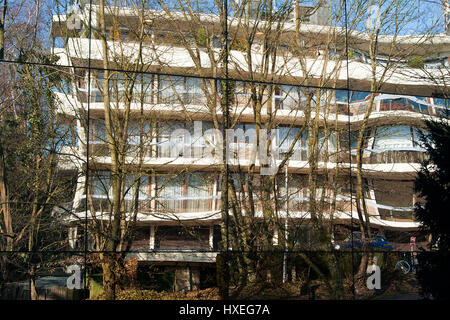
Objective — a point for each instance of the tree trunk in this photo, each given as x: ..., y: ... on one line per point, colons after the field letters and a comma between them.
x: 33, y: 291
x: 2, y: 29
x: 4, y: 207
x: 111, y: 266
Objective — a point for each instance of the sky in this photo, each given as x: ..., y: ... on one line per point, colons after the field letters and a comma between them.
x: 417, y: 16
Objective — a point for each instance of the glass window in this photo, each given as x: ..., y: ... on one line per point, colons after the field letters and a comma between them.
x: 416, y: 138
x: 288, y: 97
x: 135, y: 130
x: 393, y: 138
x: 171, y: 89
x: 101, y: 183
x: 98, y: 131
x: 344, y: 137
x: 358, y: 96
x: 143, y: 88
x: 131, y: 183
x: 286, y: 137
x: 184, y: 192
x: 341, y: 95
x: 173, y: 138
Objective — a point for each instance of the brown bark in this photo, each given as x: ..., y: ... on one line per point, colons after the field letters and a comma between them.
x: 112, y: 240
x: 117, y: 232
x: 4, y: 198
x: 32, y: 282
x: 5, y: 209
x: 112, y: 265
x: 2, y: 29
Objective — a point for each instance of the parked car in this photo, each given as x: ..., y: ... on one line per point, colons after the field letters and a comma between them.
x: 377, y: 241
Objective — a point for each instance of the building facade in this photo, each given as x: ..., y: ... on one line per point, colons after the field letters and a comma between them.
x: 296, y: 116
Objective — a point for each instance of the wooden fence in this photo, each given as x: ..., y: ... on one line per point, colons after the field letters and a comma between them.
x: 21, y: 292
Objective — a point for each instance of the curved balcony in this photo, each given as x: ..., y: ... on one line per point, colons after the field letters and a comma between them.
x: 103, y: 204
x: 395, y: 156
x: 396, y: 215
x: 161, y: 205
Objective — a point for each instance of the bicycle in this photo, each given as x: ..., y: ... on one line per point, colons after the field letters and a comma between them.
x: 404, y: 265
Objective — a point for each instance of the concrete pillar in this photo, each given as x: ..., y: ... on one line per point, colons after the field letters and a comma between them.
x: 182, y: 283
x: 72, y: 237
x: 152, y: 238
x: 214, y: 200
x: 153, y: 192
x: 211, y: 237
x: 195, y: 278
x: 275, y: 237
x: 187, y: 279
x: 81, y: 182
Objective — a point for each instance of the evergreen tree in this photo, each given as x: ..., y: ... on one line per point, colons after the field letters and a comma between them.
x: 433, y: 185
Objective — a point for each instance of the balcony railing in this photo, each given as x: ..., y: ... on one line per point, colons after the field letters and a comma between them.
x: 182, y: 244
x: 103, y: 204
x: 185, y: 204
x: 170, y: 150
x: 162, y: 205
x: 280, y: 102
x: 355, y: 109
x: 396, y: 215
x: 97, y: 149
x: 96, y: 96
x: 379, y: 157
x: 183, y: 98
x: 245, y: 151
x: 413, y: 107
x: 395, y: 156
x: 296, y: 155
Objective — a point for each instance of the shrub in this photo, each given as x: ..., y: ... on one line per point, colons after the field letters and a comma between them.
x: 416, y: 62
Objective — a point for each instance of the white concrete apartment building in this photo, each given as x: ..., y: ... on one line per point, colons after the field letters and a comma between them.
x: 180, y: 185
